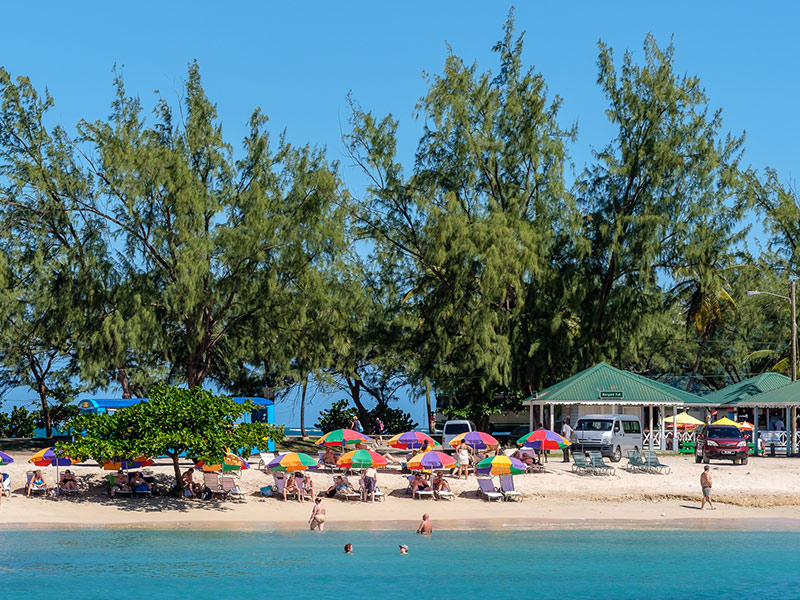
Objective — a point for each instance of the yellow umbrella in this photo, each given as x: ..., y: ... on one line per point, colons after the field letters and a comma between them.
x: 726, y: 421
x: 684, y: 418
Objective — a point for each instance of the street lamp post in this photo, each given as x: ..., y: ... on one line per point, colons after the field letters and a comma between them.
x: 790, y: 449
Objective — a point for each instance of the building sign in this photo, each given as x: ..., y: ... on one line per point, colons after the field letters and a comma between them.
x: 611, y: 394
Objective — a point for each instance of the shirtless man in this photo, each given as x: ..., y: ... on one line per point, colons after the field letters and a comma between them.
x: 189, y: 484
x: 705, y: 484
x: 439, y: 483
x: 426, y: 527
x: 120, y: 483
x: 417, y: 484
x: 329, y: 458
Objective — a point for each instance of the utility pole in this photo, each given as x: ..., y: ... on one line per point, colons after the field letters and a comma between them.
x: 790, y: 446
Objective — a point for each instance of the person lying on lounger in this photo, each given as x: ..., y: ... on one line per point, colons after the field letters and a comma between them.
x: 37, y: 482
x: 419, y: 484
x: 339, y: 485
x: 329, y: 458
x: 68, y: 482
x: 525, y: 458
x: 440, y: 484
x: 120, y: 483
x: 138, y: 482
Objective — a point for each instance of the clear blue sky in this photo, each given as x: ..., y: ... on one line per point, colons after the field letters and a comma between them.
x: 297, y: 61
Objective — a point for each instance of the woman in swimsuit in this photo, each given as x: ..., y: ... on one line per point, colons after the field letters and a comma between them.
x: 317, y: 515
x: 37, y: 482
x: 463, y: 453
x: 291, y: 488
x: 68, y: 483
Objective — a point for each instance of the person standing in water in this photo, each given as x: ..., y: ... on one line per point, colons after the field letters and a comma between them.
x: 426, y: 527
x: 317, y: 519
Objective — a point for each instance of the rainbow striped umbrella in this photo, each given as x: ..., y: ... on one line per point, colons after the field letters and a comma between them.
x: 477, y: 440
x: 543, y: 439
x: 230, y: 462
x: 361, y: 459
x: 342, y: 437
x: 292, y: 461
x: 411, y: 440
x: 122, y: 463
x: 432, y: 460
x: 500, y: 465
x: 5, y: 459
x: 46, y: 457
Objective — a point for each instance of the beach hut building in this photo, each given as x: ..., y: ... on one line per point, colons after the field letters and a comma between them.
x: 603, y: 389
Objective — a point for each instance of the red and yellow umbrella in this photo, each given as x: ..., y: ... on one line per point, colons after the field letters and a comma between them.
x: 136, y: 463
x: 361, y: 459
x: 477, y: 440
x: 342, y: 437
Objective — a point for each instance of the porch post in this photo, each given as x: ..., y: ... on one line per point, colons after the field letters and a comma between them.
x: 530, y: 416
x: 675, y: 445
x: 755, y: 431
x: 651, y: 427
x: 662, y: 445
x: 553, y: 416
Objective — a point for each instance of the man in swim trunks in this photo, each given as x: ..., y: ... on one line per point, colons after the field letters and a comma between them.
x: 440, y: 484
x: 370, y: 480
x: 426, y: 527
x: 419, y: 483
x: 705, y: 485
x: 120, y: 483
x: 189, y: 484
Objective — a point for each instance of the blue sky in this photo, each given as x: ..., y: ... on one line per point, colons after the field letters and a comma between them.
x: 298, y: 61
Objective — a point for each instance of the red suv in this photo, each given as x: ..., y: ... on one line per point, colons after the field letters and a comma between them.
x: 720, y: 441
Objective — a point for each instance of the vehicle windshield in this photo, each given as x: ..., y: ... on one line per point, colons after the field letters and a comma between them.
x: 593, y: 425
x: 456, y: 428
x: 724, y: 432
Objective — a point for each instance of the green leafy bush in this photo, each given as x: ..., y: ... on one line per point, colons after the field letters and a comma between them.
x: 20, y: 423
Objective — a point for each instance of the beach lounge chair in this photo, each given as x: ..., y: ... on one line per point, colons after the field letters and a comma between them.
x: 654, y: 465
x: 580, y: 465
x: 280, y: 483
x: 329, y: 467
x: 264, y: 458
x: 508, y: 490
x: 486, y: 489
x: 5, y: 484
x: 599, y: 466
x: 29, y: 475
x: 211, y: 481
x: 229, y: 488
x: 636, y: 463
x: 344, y: 494
x: 420, y: 493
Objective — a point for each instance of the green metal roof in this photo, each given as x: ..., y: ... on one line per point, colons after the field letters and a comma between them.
x: 586, y: 387
x: 745, y: 391
x: 785, y: 396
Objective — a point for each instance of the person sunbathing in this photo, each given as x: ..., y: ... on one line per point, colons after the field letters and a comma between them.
x: 330, y: 457
x: 339, y: 485
x: 37, y: 482
x: 120, y: 483
x: 440, y: 483
x: 291, y: 487
x: 188, y: 483
x: 524, y: 458
x: 138, y: 482
x: 308, y: 486
x: 419, y: 484
x: 68, y: 482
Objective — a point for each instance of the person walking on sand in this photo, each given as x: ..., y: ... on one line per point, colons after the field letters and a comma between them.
x: 566, y: 433
x: 705, y: 484
x: 317, y: 519
x: 426, y: 527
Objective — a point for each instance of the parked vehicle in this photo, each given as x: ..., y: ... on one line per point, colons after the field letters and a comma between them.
x: 453, y: 428
x: 720, y: 442
x: 611, y: 435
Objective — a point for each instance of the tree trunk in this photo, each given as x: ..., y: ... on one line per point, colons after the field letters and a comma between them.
x: 697, y: 361
x: 48, y: 425
x: 428, y: 404
x: 355, y: 394
x: 178, y: 478
x: 122, y: 378
x: 303, y: 408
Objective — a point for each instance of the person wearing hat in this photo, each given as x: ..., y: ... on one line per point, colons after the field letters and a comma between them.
x: 403, y: 549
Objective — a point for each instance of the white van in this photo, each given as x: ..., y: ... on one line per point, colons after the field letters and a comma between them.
x: 453, y: 428
x: 610, y: 434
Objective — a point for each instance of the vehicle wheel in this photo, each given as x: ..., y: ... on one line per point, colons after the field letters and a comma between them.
x: 616, y: 455
x: 697, y: 458
x: 706, y: 459
x: 736, y: 461
x: 743, y: 461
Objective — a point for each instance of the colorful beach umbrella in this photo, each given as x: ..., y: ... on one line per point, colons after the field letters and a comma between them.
x: 230, y: 462
x: 411, y: 440
x: 477, y: 440
x: 342, y: 437
x: 726, y: 421
x: 684, y: 419
x: 543, y: 439
x: 361, y: 459
x: 5, y: 459
x: 500, y: 465
x: 46, y: 457
x: 292, y: 461
x: 432, y: 460
x: 127, y: 464
x: 746, y: 426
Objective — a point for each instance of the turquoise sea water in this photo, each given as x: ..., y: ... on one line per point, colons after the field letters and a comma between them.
x: 117, y: 563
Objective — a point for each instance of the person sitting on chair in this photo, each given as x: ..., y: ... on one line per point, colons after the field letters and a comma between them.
x: 440, y: 483
x: 68, y: 482
x: 329, y: 458
x: 120, y: 483
x: 37, y: 482
x: 138, y: 482
x: 419, y: 484
x: 291, y: 487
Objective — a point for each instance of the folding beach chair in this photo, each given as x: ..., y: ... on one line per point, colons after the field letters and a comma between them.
x: 211, y: 481
x: 29, y: 475
x: 580, y: 465
x: 486, y: 489
x: 5, y: 484
x: 654, y: 465
x: 635, y: 462
x: 599, y: 465
x: 420, y: 493
x: 264, y: 458
x: 229, y: 488
x: 507, y: 488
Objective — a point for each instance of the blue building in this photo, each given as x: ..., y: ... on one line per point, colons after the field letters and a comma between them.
x: 263, y: 412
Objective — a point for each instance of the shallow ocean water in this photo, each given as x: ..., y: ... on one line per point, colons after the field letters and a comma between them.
x: 114, y: 563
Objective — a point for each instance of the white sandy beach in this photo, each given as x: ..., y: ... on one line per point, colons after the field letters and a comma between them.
x: 761, y: 495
